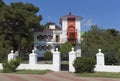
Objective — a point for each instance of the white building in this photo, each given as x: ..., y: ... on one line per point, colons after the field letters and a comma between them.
x: 53, y: 37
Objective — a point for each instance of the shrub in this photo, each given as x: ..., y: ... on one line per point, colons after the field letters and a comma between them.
x: 84, y: 64
x: 11, y: 65
x: 48, y: 55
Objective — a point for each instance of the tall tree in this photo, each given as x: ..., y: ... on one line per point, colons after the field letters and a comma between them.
x: 65, y: 49
x: 108, y: 40
x: 19, y: 19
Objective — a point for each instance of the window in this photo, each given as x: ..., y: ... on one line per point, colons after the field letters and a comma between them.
x: 57, y: 38
x: 39, y: 47
x: 72, y: 35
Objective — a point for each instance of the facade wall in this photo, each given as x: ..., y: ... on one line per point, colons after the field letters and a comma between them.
x: 43, y: 45
x: 78, y: 27
x: 64, y: 24
x: 64, y: 29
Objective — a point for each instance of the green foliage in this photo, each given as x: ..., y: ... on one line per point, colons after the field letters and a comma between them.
x: 108, y: 40
x: 48, y: 55
x: 5, y: 47
x: 117, y: 56
x: 1, y: 3
x: 17, y: 22
x: 65, y: 49
x: 10, y: 66
x: 84, y: 65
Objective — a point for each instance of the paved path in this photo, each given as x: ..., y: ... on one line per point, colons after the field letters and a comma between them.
x: 52, y: 76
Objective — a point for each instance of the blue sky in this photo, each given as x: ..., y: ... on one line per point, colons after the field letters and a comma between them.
x: 104, y: 13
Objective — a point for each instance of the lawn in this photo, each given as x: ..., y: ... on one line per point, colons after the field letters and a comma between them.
x: 100, y: 74
x: 30, y: 71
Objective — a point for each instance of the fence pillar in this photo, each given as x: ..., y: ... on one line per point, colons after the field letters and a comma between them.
x: 32, y: 58
x: 72, y: 57
x: 56, y: 60
x: 11, y: 56
x: 100, y: 58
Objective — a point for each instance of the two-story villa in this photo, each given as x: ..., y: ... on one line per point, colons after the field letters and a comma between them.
x: 52, y: 37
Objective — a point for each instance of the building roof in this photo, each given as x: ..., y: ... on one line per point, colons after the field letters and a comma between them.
x: 71, y: 16
x: 47, y: 30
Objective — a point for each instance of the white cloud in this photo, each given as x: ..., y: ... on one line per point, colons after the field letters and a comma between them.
x: 88, y: 22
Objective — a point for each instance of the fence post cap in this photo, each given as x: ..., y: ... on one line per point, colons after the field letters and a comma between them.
x: 33, y: 51
x: 11, y: 51
x: 99, y: 50
x: 72, y: 49
x: 56, y: 49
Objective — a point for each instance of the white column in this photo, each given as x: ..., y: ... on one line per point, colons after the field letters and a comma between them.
x: 100, y: 58
x: 56, y: 60
x: 32, y: 58
x: 72, y: 57
x: 11, y: 56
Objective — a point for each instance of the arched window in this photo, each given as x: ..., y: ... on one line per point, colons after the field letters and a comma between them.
x: 45, y: 37
x: 39, y: 47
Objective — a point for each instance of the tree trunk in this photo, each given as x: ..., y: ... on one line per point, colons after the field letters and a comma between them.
x: 19, y: 43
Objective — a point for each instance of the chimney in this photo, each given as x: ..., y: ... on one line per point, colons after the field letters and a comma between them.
x: 52, y: 26
x: 69, y: 13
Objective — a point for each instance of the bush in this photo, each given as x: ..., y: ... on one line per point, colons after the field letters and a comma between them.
x: 10, y: 66
x: 84, y: 64
x: 48, y: 55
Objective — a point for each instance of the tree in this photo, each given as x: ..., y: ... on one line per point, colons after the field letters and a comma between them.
x: 5, y: 47
x: 108, y: 40
x: 92, y: 41
x: 48, y: 55
x: 117, y: 56
x: 19, y: 19
x: 65, y: 49
x: 1, y: 3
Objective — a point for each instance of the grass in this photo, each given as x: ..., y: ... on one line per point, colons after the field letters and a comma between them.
x: 100, y: 74
x: 30, y: 71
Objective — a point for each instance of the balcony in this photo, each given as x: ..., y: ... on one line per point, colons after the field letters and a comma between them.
x: 59, y: 41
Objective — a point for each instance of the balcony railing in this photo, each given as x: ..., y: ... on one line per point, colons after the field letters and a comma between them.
x: 58, y: 40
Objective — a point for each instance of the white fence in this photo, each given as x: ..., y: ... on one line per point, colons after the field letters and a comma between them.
x: 56, y: 66
x: 107, y: 68
x: 101, y: 67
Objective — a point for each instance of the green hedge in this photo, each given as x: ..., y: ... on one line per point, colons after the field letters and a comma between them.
x: 84, y: 64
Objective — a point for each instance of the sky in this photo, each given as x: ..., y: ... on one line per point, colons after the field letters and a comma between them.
x: 104, y: 13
